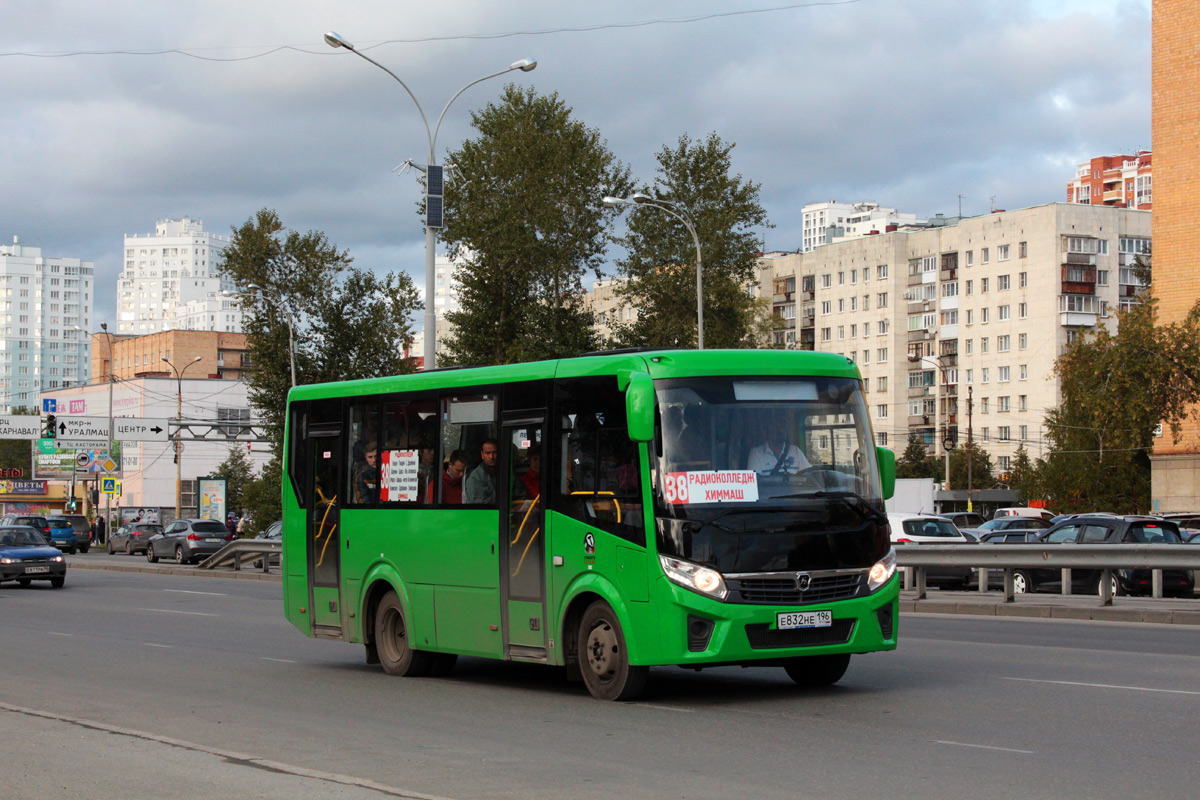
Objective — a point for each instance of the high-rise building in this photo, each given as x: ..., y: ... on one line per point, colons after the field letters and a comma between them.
x: 1121, y: 181
x: 47, y: 306
x: 170, y: 282
x: 825, y: 223
x: 982, y: 306
x: 1175, y: 81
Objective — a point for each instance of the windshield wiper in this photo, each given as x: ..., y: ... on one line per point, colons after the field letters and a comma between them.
x: 844, y: 495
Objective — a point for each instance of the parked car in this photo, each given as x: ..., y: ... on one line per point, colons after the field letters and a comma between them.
x: 1109, y: 530
x: 965, y: 519
x: 1016, y: 536
x: 274, y: 531
x: 187, y: 540
x: 62, y: 534
x: 1036, y: 524
x: 929, y: 529
x: 132, y: 538
x: 1022, y: 511
x: 83, y: 529
x: 25, y: 557
x: 35, y: 522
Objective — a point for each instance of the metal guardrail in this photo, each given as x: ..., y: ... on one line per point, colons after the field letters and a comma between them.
x: 1009, y: 557
x: 238, y: 549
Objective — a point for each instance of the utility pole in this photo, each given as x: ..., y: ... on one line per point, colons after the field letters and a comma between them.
x: 970, y: 443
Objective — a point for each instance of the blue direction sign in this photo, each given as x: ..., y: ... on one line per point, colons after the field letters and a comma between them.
x: 49, y: 405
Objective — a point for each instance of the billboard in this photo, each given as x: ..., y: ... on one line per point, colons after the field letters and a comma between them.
x: 212, y: 498
x: 130, y: 516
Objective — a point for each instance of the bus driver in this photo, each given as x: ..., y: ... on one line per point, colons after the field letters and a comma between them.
x: 776, y: 455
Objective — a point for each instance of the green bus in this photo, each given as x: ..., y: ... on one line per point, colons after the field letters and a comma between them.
x: 606, y: 513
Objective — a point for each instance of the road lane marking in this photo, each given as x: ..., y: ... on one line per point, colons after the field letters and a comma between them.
x: 56, y: 633
x: 152, y: 644
x: 1105, y: 686
x: 985, y: 747
x: 280, y: 660
x: 172, y: 611
x: 667, y: 708
x: 189, y: 591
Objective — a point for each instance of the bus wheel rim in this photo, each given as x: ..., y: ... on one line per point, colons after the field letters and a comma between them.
x: 602, y: 650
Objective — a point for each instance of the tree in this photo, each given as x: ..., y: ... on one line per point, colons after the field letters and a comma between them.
x: 1117, y: 386
x: 981, y: 467
x: 525, y: 223
x: 238, y: 472
x: 694, y: 177
x: 1024, y: 475
x: 261, y: 499
x: 18, y: 453
x: 346, y: 323
x: 915, y: 462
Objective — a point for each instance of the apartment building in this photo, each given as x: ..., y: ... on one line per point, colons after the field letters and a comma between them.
x: 1175, y: 78
x: 825, y: 223
x: 47, y: 303
x: 170, y: 282
x: 1124, y: 181
x: 205, y: 354
x: 976, y: 310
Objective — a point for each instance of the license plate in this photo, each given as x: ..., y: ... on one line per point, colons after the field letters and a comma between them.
x: 803, y: 619
x: 35, y: 570
x: 212, y: 540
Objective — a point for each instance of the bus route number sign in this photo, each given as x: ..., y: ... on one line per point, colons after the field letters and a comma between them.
x: 711, y: 486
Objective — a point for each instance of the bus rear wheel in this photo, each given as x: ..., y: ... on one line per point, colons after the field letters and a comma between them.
x: 818, y: 670
x: 603, y: 658
x: 391, y: 641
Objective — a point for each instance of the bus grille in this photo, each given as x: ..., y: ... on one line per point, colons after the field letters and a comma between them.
x: 763, y: 637
x: 784, y: 590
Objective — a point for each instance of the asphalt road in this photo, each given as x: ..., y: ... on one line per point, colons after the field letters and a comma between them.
x: 141, y: 685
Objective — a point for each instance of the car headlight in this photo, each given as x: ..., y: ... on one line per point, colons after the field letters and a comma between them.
x: 691, y: 576
x: 8, y: 561
x: 57, y: 558
x: 882, y: 571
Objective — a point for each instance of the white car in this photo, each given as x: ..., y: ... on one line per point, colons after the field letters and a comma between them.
x: 1022, y: 511
x: 930, y: 529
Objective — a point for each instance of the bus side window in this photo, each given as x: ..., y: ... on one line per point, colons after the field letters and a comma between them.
x: 599, y: 480
x: 467, y: 421
x: 298, y: 467
x: 363, y: 455
x: 407, y: 456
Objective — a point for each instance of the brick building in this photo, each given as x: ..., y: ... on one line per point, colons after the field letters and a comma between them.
x: 1175, y: 79
x: 1120, y: 181
x: 222, y: 355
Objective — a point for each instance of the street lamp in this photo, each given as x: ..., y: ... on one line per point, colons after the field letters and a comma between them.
x: 111, y: 379
x: 642, y: 200
x: 287, y: 316
x: 937, y: 362
x: 179, y: 428
x: 433, y: 181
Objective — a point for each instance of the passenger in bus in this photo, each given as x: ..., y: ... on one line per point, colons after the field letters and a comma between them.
x: 532, y: 477
x: 777, y: 455
x: 366, y: 476
x: 452, y: 480
x: 479, y: 488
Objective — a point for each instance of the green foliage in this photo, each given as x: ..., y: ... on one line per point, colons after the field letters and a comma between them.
x: 981, y: 468
x: 347, y: 323
x: 18, y: 453
x: 1117, y: 387
x: 694, y: 177
x: 915, y: 462
x: 1025, y: 475
x: 238, y: 472
x: 525, y: 223
x: 261, y: 499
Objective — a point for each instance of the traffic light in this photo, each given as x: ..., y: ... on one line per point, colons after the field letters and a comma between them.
x: 70, y: 505
x: 50, y: 430
x: 95, y: 497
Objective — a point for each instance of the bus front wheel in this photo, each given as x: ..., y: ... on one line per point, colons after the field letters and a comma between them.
x: 603, y: 658
x: 391, y: 641
x: 818, y: 670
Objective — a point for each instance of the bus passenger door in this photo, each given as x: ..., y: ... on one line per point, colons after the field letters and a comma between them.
x: 324, y: 533
x: 523, y: 538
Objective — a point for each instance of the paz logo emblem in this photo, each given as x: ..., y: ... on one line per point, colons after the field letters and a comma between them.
x: 589, y: 545
x: 803, y: 581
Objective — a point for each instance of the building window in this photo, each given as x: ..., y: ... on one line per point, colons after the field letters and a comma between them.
x: 884, y: 326
x: 1002, y: 283
x: 1002, y: 343
x: 881, y: 300
x: 881, y: 439
x: 1022, y: 310
x: 1004, y: 374
x: 826, y: 334
x: 1022, y: 402
x: 970, y: 346
x: 983, y: 257
x: 1003, y: 436
x: 1022, y: 372
x: 983, y: 315
x: 826, y: 281
x: 881, y: 383
x: 881, y: 355
x: 1022, y: 250
x: 950, y: 289
x: 1023, y: 432
x: 1002, y: 403
x: 1002, y: 253
x: 984, y: 374
x: 970, y: 258
x: 1004, y: 312
x: 826, y: 307
x: 1022, y: 341
x: 881, y: 272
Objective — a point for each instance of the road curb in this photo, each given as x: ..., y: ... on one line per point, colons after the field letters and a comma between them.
x: 247, y: 575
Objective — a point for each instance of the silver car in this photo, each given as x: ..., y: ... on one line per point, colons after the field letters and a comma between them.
x: 188, y: 540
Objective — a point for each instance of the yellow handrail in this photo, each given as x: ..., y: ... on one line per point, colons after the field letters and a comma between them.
x: 616, y: 502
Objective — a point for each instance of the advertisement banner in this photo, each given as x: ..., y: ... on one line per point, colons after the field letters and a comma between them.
x: 212, y: 498
x: 51, y: 461
x: 130, y: 516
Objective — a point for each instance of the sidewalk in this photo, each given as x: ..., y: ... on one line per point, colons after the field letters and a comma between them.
x: 1166, y: 611
x: 138, y: 563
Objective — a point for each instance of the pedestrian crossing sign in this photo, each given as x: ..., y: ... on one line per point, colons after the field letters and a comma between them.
x: 110, y: 486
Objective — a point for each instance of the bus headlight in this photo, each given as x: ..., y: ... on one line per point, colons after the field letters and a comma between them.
x: 691, y: 576
x: 882, y: 571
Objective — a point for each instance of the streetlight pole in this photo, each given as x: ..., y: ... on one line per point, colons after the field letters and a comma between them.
x: 287, y: 317
x: 640, y: 200
x: 433, y: 175
x: 937, y: 410
x: 111, y: 378
x: 178, y: 430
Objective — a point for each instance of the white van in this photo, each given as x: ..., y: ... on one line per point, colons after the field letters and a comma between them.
x: 1022, y: 511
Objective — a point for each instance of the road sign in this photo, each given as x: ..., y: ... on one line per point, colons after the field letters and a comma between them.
x: 94, y: 429
x: 96, y: 461
x: 53, y: 445
x: 110, y: 486
x: 49, y: 405
x: 20, y: 427
x: 83, y: 459
x: 140, y: 429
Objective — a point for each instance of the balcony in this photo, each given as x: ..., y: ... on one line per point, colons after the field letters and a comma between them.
x: 1078, y: 279
x: 919, y: 391
x: 1075, y: 311
x: 1084, y: 259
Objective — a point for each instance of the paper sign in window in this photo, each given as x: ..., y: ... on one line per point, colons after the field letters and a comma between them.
x: 400, y: 476
x: 711, y: 486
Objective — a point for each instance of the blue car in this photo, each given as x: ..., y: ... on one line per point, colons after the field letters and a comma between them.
x: 25, y: 557
x: 62, y: 534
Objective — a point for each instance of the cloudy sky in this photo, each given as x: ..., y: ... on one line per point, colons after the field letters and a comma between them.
x: 121, y: 113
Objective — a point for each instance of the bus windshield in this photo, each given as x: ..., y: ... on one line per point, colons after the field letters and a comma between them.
x: 740, y: 456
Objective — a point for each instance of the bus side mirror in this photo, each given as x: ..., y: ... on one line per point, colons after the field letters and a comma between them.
x: 639, y: 407
x: 887, y: 471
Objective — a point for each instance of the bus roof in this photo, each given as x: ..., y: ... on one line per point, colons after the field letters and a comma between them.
x: 658, y: 363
